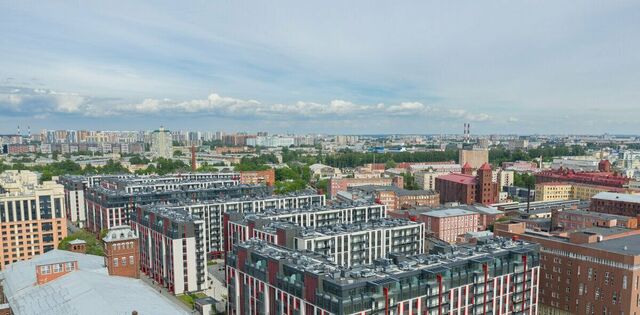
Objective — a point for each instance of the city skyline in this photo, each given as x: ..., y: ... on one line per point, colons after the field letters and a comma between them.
x: 424, y: 68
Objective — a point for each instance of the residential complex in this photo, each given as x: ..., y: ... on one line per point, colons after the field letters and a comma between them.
x: 348, y: 244
x: 500, y: 276
x: 32, y: 216
x: 172, y: 248
x: 240, y: 226
x: 110, y: 203
x: 212, y: 211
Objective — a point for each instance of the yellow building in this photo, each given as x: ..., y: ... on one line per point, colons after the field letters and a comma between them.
x: 554, y: 191
x: 32, y: 216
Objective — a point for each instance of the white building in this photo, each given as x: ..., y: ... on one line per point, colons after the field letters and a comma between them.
x: 576, y: 163
x: 161, y: 143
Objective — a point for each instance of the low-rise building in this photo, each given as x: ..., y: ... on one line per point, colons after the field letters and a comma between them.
x: 571, y: 220
x: 448, y: 224
x: 62, y: 282
x: 396, y: 198
x: 616, y: 203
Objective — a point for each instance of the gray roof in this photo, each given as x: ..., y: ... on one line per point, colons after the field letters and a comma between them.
x: 629, y: 245
x: 88, y: 290
x: 617, y: 197
x: 448, y: 213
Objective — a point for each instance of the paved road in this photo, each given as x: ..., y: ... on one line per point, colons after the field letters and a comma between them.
x: 216, y: 280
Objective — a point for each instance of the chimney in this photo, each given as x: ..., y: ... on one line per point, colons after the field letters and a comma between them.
x: 78, y: 246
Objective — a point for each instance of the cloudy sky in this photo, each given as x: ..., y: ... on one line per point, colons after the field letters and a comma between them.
x: 328, y: 66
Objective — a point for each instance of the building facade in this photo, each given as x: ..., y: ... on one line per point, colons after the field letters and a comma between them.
x: 591, y: 271
x: 449, y: 224
x: 122, y: 252
x: 615, y: 203
x: 32, y: 216
x: 161, y: 143
x: 172, y: 248
x: 266, y: 279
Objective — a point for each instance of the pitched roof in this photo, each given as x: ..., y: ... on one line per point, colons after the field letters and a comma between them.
x: 88, y: 290
x: 458, y: 178
x: 485, y: 167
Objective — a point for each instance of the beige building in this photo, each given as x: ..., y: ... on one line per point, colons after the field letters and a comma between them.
x: 32, y: 216
x: 427, y: 179
x: 161, y: 143
x: 475, y: 157
x: 570, y: 191
x: 503, y: 178
x: 554, y: 191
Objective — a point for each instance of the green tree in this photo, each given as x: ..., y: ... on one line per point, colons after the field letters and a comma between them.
x: 178, y: 153
x: 94, y: 246
x: 390, y: 164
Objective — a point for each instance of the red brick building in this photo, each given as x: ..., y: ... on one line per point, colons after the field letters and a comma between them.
x: 616, y: 203
x: 571, y: 220
x: 122, y: 252
x: 468, y: 189
x: 591, y: 271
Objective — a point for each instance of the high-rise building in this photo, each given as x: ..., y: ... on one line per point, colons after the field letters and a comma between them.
x: 476, y: 157
x: 161, y: 143
x: 172, y: 248
x: 32, y: 216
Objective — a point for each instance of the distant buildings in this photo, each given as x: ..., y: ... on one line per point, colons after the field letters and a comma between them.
x: 550, y: 191
x: 592, y: 178
x: 32, y: 216
x: 270, y: 141
x: 395, y: 198
x: 576, y: 163
x: 475, y: 157
x: 161, y: 143
x: 266, y: 177
x: 341, y: 184
x: 571, y: 220
x: 322, y: 171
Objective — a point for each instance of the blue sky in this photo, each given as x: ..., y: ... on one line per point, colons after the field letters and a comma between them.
x: 324, y: 67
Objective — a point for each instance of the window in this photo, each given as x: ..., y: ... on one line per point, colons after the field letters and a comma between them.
x: 624, y: 282
x: 124, y: 261
x: 69, y: 266
x: 115, y: 262
x: 45, y: 270
x: 57, y: 268
x: 131, y: 260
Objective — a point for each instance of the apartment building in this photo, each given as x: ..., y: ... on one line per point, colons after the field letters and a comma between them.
x: 590, y: 271
x: 240, y: 226
x: 497, y: 277
x: 32, y: 216
x: 449, y: 224
x: 212, y: 211
x: 553, y: 191
x: 172, y: 248
x: 396, y: 198
x: 348, y: 244
x: 110, y: 203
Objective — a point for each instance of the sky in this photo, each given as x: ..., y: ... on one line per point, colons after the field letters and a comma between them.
x: 354, y: 67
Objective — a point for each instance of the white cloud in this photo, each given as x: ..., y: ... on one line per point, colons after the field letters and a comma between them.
x: 42, y: 102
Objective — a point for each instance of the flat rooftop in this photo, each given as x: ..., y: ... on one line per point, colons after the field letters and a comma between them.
x: 340, y: 229
x: 384, y: 269
x: 446, y: 213
x: 617, y: 197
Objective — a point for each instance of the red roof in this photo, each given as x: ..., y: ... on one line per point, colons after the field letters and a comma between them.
x: 459, y: 178
x: 466, y: 165
x: 485, y: 167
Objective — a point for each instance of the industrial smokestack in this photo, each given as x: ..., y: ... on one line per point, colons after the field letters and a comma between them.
x: 193, y: 157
